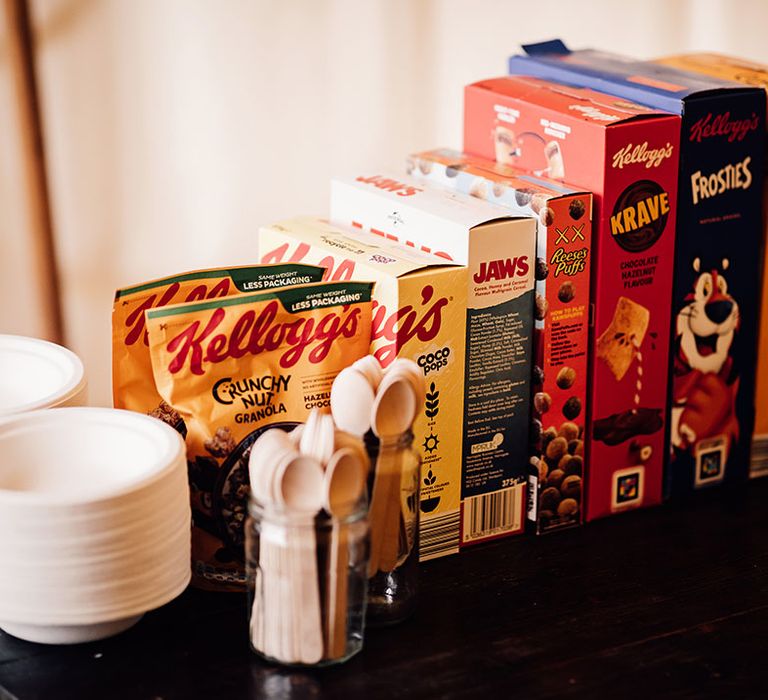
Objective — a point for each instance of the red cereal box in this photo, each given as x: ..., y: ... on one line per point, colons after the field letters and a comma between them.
x: 563, y: 218
x: 627, y: 155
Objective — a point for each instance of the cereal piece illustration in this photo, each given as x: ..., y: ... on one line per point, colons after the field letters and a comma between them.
x: 542, y: 307
x: 619, y: 343
x: 542, y: 402
x: 547, y: 216
x: 566, y: 292
x: 572, y: 407
x: 576, y: 209
x: 565, y: 377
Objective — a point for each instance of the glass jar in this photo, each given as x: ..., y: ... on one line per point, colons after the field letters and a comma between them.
x: 307, y: 583
x: 393, y: 569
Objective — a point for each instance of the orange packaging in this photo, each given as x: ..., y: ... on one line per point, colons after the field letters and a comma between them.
x: 234, y: 367
x: 419, y: 312
x: 133, y: 386
x: 756, y: 75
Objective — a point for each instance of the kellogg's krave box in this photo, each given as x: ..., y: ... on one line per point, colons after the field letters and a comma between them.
x: 717, y: 257
x: 626, y: 155
x: 419, y: 306
x: 563, y: 218
x: 500, y: 251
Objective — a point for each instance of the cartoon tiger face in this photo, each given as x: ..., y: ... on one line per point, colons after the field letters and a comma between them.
x: 707, y: 323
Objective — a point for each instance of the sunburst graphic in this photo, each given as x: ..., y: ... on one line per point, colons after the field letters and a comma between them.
x: 431, y: 442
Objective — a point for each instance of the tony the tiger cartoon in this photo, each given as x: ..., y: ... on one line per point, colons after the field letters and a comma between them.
x: 704, y: 384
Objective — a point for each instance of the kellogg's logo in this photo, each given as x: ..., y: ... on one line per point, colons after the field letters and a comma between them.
x: 640, y: 215
x: 501, y: 269
x: 406, y: 323
x: 722, y: 125
x: 390, y: 185
x: 254, y: 333
x: 136, y: 322
x: 651, y: 157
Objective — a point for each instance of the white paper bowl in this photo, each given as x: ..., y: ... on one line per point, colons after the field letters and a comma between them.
x: 64, y: 459
x: 94, y: 521
x: 37, y: 374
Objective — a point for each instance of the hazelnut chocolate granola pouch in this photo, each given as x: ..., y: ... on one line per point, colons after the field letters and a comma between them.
x: 234, y: 367
x: 133, y: 386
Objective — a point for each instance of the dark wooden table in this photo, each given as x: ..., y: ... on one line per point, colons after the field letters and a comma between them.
x: 670, y: 602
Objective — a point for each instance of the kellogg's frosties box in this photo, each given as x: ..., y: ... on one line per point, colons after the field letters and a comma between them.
x: 718, y: 253
x: 419, y: 307
x: 499, y: 249
x: 626, y: 155
x: 755, y: 74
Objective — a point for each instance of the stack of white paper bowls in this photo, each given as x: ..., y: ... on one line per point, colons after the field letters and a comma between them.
x: 37, y: 374
x: 94, y: 522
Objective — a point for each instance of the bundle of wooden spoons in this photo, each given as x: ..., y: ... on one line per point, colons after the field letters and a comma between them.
x: 367, y: 399
x: 310, y: 480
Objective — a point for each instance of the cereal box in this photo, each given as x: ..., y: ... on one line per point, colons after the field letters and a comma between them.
x: 419, y: 311
x: 234, y: 367
x: 563, y: 218
x: 729, y: 68
x: 627, y: 156
x: 717, y: 256
x: 499, y: 250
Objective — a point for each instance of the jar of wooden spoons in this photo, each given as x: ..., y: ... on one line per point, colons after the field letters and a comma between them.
x: 307, y: 544
x: 393, y: 569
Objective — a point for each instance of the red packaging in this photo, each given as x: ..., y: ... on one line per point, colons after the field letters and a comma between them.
x: 563, y: 218
x: 627, y: 155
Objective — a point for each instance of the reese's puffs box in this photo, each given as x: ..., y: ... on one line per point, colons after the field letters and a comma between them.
x: 563, y: 217
x: 233, y: 368
x: 755, y: 74
x: 626, y: 155
x: 133, y: 386
x: 718, y: 250
x: 419, y: 307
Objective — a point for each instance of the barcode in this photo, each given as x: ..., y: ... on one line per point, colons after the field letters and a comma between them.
x: 439, y: 536
x: 493, y: 513
x: 759, y: 464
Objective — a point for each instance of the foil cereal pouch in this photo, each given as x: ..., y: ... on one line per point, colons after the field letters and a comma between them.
x: 233, y: 368
x: 133, y: 386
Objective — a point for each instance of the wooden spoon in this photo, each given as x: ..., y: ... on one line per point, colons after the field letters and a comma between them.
x: 352, y: 398
x: 299, y: 487
x: 345, y: 479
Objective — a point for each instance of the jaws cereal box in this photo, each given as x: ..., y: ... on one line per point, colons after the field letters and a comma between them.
x: 626, y: 155
x: 499, y: 250
x: 563, y: 218
x: 419, y: 306
x: 717, y: 255
x: 748, y: 73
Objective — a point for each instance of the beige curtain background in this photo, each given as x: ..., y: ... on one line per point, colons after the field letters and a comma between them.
x: 173, y: 128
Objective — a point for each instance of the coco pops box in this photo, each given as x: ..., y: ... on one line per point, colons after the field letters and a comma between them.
x: 626, y: 155
x: 563, y: 217
x: 717, y: 257
x: 419, y: 307
x: 748, y: 73
x: 499, y: 250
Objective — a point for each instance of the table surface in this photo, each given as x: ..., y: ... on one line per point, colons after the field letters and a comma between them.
x: 669, y: 602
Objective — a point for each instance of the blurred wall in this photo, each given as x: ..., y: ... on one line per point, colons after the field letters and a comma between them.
x: 175, y: 127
